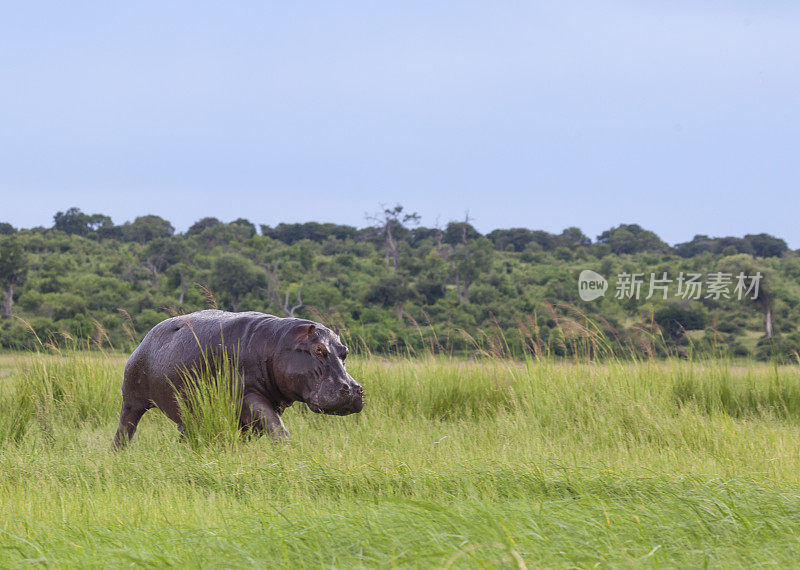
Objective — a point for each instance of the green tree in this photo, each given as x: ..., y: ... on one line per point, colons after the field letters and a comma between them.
x: 101, y: 226
x: 223, y: 234
x: 73, y: 221
x: 631, y: 238
x: 749, y: 267
x: 13, y: 269
x: 676, y: 318
x: 515, y: 239
x: 765, y: 245
x: 573, y: 237
x: 147, y: 228
x: 162, y: 253
x: 182, y: 274
x: 236, y: 276
x: 460, y: 232
x: 201, y: 225
x: 391, y: 291
x: 702, y: 243
x: 470, y: 260
x: 545, y: 240
x: 248, y: 226
x: 313, y: 231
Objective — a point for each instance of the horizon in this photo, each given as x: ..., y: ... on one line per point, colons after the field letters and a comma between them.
x: 258, y: 225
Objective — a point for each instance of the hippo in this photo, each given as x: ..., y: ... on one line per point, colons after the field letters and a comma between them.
x: 280, y: 360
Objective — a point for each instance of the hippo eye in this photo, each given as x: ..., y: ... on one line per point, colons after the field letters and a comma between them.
x: 320, y: 350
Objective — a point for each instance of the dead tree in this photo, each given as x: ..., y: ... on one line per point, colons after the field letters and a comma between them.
x: 289, y: 311
x: 387, y: 222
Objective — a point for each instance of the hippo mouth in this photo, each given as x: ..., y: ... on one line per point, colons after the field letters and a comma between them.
x: 335, y: 411
x: 342, y: 411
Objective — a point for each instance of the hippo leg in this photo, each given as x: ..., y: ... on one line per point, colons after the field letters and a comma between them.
x: 132, y: 412
x: 259, y: 415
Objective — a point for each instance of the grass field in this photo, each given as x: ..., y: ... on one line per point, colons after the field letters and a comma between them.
x: 458, y: 464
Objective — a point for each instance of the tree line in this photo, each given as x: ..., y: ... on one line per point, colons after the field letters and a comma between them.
x: 393, y: 285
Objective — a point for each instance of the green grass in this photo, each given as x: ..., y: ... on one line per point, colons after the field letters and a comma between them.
x: 211, y: 401
x: 484, y: 464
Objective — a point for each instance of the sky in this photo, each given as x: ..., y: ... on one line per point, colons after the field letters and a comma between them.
x: 681, y: 116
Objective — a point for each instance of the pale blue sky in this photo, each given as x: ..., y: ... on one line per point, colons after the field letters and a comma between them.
x: 681, y: 116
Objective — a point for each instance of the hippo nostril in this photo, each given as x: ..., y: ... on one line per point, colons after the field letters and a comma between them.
x: 360, y: 391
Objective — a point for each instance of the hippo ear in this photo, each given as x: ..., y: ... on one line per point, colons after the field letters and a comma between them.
x: 304, y: 332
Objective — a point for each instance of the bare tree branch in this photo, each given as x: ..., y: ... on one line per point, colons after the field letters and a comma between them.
x: 289, y: 312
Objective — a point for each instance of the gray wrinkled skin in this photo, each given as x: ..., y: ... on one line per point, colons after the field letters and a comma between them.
x: 281, y: 361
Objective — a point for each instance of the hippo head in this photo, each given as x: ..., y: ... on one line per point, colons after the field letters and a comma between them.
x: 310, y: 367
